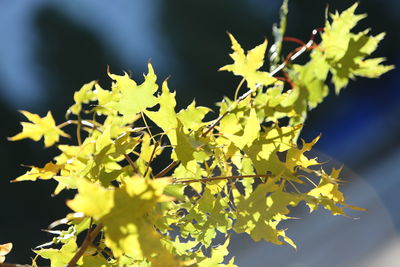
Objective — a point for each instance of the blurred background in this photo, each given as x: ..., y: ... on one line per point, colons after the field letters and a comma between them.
x: 49, y: 49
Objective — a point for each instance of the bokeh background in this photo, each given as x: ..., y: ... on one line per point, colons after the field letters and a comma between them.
x: 48, y: 49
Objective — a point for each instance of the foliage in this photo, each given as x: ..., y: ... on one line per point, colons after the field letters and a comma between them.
x: 241, y: 172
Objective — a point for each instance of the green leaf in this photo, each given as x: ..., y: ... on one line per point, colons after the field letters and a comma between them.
x: 186, y: 145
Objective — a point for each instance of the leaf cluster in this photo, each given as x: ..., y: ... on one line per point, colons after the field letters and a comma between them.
x: 240, y: 172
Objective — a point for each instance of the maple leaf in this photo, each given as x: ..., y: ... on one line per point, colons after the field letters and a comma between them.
x: 274, y: 140
x: 45, y: 173
x: 336, y: 36
x: 188, y: 146
x: 328, y: 195
x: 353, y: 63
x: 108, y: 100
x: 40, y: 127
x: 131, y: 233
x: 192, y: 116
x: 165, y: 117
x: 250, y: 133
x: 83, y: 96
x: 135, y: 98
x: 60, y: 257
x: 311, y: 77
x: 217, y: 256
x: 259, y: 216
x: 247, y: 65
x: 94, y: 261
x: 346, y: 52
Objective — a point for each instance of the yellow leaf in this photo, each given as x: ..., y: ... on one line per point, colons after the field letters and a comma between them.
x: 165, y: 117
x: 93, y: 200
x: 135, y: 98
x: 83, y: 96
x: 133, y: 233
x: 45, y: 173
x: 247, y: 65
x: 40, y: 127
x: 250, y: 133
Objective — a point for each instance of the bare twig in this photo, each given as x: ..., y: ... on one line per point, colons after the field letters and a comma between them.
x: 17, y: 265
x: 78, y: 131
x: 86, y: 243
x: 151, y: 158
x: 166, y: 169
x: 217, y: 178
x: 238, y: 89
x: 131, y: 163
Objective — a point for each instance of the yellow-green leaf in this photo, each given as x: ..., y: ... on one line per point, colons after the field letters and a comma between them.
x: 45, y: 173
x: 135, y: 98
x: 247, y: 65
x: 40, y: 127
x: 250, y: 132
x: 192, y: 116
x: 62, y: 256
x: 165, y: 117
x: 83, y: 96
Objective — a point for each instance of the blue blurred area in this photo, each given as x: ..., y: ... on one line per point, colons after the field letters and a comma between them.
x: 50, y: 48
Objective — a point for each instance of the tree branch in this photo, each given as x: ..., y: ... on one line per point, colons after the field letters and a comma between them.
x: 86, y: 243
x: 166, y: 169
x: 217, y: 178
x: 17, y: 265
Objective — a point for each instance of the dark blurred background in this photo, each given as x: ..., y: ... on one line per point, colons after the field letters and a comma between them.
x: 48, y: 49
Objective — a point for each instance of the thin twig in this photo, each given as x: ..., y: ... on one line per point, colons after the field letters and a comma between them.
x: 131, y: 163
x: 166, y: 169
x: 294, y: 40
x: 78, y: 131
x: 309, y: 180
x: 294, y: 186
x: 147, y: 127
x: 151, y: 158
x: 238, y: 89
x: 88, y: 123
x: 86, y: 243
x: 17, y: 265
x: 217, y: 178
x: 212, y: 126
